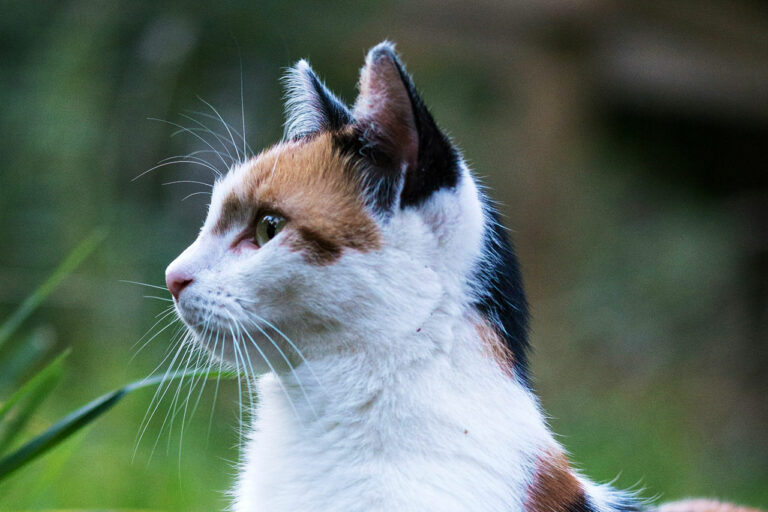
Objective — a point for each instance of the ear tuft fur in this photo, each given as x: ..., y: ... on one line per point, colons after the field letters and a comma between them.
x: 310, y: 106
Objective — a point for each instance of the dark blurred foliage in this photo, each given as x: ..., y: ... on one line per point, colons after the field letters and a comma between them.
x: 626, y: 143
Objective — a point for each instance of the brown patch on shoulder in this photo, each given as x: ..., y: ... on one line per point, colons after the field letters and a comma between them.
x: 703, y: 505
x: 496, y: 348
x: 307, y: 182
x: 555, y: 487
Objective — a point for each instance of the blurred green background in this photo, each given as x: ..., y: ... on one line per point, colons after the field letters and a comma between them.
x: 625, y: 141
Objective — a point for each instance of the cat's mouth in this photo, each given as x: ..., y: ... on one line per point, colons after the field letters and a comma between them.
x: 227, y: 331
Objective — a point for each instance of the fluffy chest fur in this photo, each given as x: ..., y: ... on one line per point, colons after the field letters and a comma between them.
x: 437, y: 429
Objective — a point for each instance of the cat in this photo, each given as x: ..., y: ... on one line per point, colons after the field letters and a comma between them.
x: 361, y: 271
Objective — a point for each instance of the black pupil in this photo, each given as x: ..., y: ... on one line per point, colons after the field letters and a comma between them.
x: 271, y: 227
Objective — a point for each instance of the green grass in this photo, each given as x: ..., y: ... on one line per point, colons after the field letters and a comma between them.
x: 18, y: 409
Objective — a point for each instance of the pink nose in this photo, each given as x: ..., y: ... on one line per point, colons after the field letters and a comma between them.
x: 176, y: 282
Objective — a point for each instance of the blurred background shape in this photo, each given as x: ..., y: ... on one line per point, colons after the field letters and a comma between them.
x: 627, y: 143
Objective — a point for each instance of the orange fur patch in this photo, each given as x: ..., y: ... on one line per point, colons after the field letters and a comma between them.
x: 555, y: 487
x: 308, y: 183
x: 702, y: 505
x: 496, y: 348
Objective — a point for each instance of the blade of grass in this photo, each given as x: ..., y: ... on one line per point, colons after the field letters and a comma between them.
x: 51, y: 372
x: 21, y: 355
x: 70, y: 263
x: 81, y: 417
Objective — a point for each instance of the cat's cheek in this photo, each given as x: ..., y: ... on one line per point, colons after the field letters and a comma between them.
x: 267, y: 274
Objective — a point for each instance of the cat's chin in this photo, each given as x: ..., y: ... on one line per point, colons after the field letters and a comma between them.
x: 251, y: 353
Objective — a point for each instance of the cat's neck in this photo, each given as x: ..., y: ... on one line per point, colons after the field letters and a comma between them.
x: 363, y: 434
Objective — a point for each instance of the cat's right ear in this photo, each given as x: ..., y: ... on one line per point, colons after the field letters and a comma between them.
x: 310, y: 106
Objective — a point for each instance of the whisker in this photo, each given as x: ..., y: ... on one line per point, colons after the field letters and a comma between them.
x: 216, y: 392
x: 163, y: 314
x: 175, y: 162
x: 246, y: 361
x: 182, y: 342
x: 155, y: 403
x: 288, y: 362
x: 192, y: 154
x: 277, y: 159
x: 195, y: 378
x: 167, y: 309
x: 250, y: 151
x: 178, y: 340
x: 183, y: 128
x: 175, y: 339
x: 187, y: 358
x: 206, y: 336
x: 196, y: 194
x: 219, y: 137
x: 154, y: 336
x: 142, y: 284
x: 156, y: 297
x: 208, y: 367
x: 287, y: 339
x: 187, y: 181
x: 193, y: 158
x: 226, y: 126
x: 272, y: 368
x: 239, y: 386
x: 198, y: 355
x: 242, y: 101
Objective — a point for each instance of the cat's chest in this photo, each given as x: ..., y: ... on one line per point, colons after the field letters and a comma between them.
x: 375, y: 458
x: 355, y: 474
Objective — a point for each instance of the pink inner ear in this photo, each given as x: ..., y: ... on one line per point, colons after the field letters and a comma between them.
x: 384, y: 106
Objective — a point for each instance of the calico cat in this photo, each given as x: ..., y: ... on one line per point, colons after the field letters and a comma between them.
x: 358, y: 267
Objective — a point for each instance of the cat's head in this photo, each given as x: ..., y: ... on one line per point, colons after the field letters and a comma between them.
x: 359, y: 226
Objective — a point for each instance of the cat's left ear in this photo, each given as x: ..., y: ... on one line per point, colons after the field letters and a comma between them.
x: 310, y: 106
x: 407, y: 149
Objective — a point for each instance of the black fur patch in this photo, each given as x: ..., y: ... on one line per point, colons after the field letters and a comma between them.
x: 582, y: 504
x: 380, y: 175
x: 437, y: 165
x: 624, y: 502
x: 501, y: 298
x: 334, y: 111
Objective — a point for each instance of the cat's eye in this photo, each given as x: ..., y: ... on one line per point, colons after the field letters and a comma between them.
x: 267, y: 228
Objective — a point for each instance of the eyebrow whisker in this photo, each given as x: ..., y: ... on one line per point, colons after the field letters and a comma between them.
x: 220, y: 138
x: 188, y: 181
x: 226, y: 126
x: 183, y: 128
x: 195, y: 194
x: 250, y: 151
x: 172, y: 162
